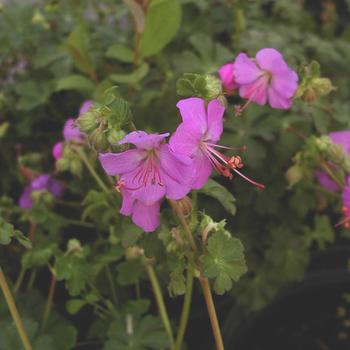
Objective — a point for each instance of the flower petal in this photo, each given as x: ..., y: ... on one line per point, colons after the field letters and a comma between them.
x: 85, y: 106
x: 215, y: 119
x: 326, y: 182
x: 346, y: 195
x: 127, y: 204
x: 271, y: 60
x: 227, y: 78
x: 277, y: 101
x: 245, y: 70
x: 185, y: 140
x: 341, y: 138
x: 256, y: 91
x: 194, y: 114
x: 57, y: 150
x: 146, y: 216
x: 203, y: 169
x: 143, y: 140
x: 56, y: 188
x: 25, y: 201
x: 71, y: 132
x: 121, y: 163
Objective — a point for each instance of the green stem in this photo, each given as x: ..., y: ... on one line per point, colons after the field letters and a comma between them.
x: 111, y: 284
x: 14, y: 312
x: 212, y: 313
x: 185, y: 311
x: 160, y: 302
x: 19, y: 280
x: 91, y: 169
x: 49, y: 301
x: 77, y: 222
x: 32, y: 277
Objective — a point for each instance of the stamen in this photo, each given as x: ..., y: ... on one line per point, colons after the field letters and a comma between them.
x: 249, y: 180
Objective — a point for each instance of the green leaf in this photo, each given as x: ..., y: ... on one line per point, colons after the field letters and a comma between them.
x: 323, y: 232
x: 37, y: 257
x: 224, y: 261
x: 7, y: 232
x: 73, y: 306
x: 161, y: 25
x: 129, y: 272
x: 75, y: 82
x: 133, y: 77
x: 219, y: 192
x: 120, y: 52
x: 130, y: 234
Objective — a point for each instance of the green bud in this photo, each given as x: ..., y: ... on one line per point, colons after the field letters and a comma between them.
x: 62, y: 164
x: 309, y: 95
x: 114, y: 136
x: 74, y: 246
x: 294, y: 175
x: 213, y: 86
x: 76, y: 167
x: 322, y: 86
x: 87, y: 122
x: 98, y: 140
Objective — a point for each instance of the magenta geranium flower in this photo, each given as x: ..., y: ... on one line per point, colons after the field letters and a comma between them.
x: 148, y: 173
x: 265, y: 79
x: 71, y: 132
x: 227, y: 78
x: 43, y: 182
x: 197, y: 136
x: 341, y: 138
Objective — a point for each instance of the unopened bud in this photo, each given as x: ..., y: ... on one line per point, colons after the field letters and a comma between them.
x: 322, y: 86
x: 185, y: 205
x: 74, y: 246
x: 294, y: 175
x: 76, y: 167
x: 213, y: 86
x: 62, y: 164
x: 87, y: 122
x: 133, y: 253
x: 114, y: 136
x: 98, y: 139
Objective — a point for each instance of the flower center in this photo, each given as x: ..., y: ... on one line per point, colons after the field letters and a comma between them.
x: 147, y: 173
x: 225, y: 165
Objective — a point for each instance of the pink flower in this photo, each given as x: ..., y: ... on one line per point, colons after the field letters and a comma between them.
x: 341, y: 138
x: 42, y: 182
x: 148, y: 173
x: 71, y: 132
x: 196, y: 137
x: 267, y: 78
x: 226, y: 76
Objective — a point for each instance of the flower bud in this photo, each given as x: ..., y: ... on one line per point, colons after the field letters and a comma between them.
x: 213, y: 86
x: 185, y: 205
x: 98, y: 139
x: 294, y: 175
x: 114, y: 136
x: 309, y: 95
x: 133, y: 253
x: 76, y: 167
x: 62, y: 164
x: 74, y: 246
x: 87, y: 122
x: 322, y: 86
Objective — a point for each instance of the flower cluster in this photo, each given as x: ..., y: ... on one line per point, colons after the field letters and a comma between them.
x: 341, y: 138
x: 263, y: 79
x: 155, y: 169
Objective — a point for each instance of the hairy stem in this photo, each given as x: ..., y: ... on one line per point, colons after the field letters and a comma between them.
x: 212, y: 313
x: 160, y: 301
x: 14, y: 312
x: 185, y: 311
x: 50, y: 296
x: 91, y: 169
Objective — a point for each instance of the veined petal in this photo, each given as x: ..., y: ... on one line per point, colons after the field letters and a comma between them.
x: 341, y: 138
x: 277, y: 101
x: 185, y: 140
x: 146, y: 216
x: 271, y: 60
x: 256, y: 91
x: 245, y: 70
x: 285, y: 85
x: 203, y: 169
x: 215, y: 119
x: 143, y: 140
x: 121, y: 163
x: 128, y: 202
x: 194, y: 114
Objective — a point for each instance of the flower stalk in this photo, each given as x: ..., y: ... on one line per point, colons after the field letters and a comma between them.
x: 49, y: 302
x: 14, y: 312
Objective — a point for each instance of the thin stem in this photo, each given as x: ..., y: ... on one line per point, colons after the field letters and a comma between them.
x: 19, y: 280
x: 14, y: 312
x: 160, y: 302
x: 329, y: 171
x: 182, y: 218
x: 31, y: 281
x: 91, y: 169
x: 185, y: 311
x: 50, y: 296
x: 111, y: 284
x: 212, y: 313
x: 32, y: 229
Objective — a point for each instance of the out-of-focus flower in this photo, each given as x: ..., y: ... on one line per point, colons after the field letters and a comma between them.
x: 227, y: 78
x: 197, y: 136
x: 43, y: 182
x: 147, y: 174
x: 265, y: 79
